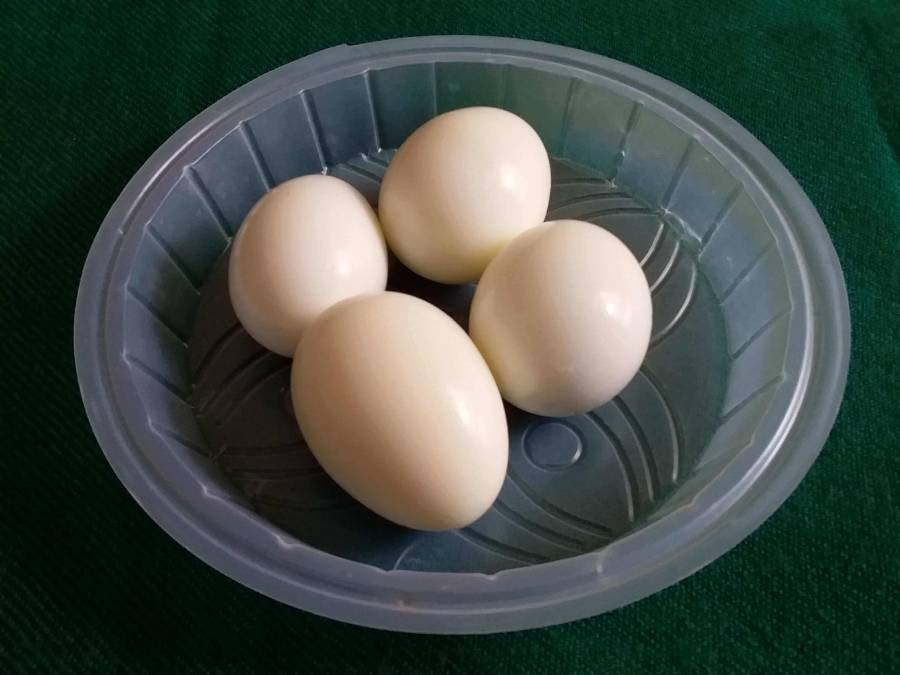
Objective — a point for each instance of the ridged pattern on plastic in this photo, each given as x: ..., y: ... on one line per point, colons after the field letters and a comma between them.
x: 236, y: 387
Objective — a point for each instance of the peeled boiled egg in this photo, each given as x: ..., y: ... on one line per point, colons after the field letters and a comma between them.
x: 400, y: 409
x: 307, y: 244
x: 563, y: 317
x: 460, y: 188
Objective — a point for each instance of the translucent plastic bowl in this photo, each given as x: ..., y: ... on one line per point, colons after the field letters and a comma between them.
x: 742, y: 383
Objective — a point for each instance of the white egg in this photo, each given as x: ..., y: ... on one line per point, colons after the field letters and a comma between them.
x: 309, y: 243
x: 401, y: 410
x: 460, y: 188
x: 563, y: 317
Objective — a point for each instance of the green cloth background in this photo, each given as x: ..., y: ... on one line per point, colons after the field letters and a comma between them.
x: 88, y: 583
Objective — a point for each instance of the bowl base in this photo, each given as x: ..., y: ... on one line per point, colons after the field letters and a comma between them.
x: 573, y: 484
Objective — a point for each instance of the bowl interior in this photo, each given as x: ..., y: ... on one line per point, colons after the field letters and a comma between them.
x: 722, y: 310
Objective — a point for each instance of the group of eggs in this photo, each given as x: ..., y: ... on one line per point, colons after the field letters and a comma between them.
x: 399, y: 405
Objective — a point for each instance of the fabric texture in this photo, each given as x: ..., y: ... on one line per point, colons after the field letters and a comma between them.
x: 88, y: 583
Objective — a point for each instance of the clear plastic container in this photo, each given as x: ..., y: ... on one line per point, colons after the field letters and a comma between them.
x: 739, y: 390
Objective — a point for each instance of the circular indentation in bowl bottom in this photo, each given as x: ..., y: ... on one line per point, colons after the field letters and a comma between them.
x: 572, y: 486
x: 553, y: 445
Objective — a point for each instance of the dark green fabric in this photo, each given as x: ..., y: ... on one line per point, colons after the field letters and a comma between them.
x: 88, y: 583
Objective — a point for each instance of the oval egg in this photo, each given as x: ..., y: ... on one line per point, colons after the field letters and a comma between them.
x: 309, y: 243
x: 401, y: 410
x: 563, y: 317
x: 460, y: 188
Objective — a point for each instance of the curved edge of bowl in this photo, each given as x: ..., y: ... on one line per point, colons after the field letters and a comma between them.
x: 807, y: 435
